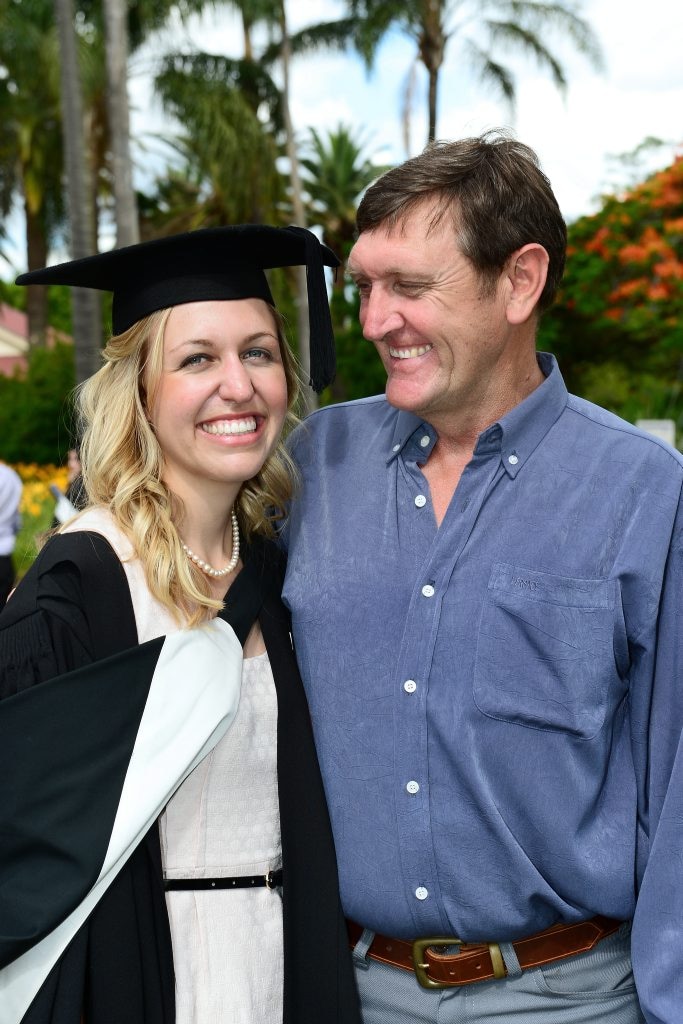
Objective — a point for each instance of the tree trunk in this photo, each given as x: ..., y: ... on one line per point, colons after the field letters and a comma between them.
x: 116, y: 37
x: 432, y: 45
x: 246, y: 34
x: 303, y: 325
x: 36, y: 294
x: 87, y: 320
x: 433, y: 87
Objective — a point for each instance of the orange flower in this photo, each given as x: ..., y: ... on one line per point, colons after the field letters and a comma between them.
x: 658, y: 292
x: 633, y: 254
x: 628, y: 288
x: 669, y: 268
x: 597, y: 243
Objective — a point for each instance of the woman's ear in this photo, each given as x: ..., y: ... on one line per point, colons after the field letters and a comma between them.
x: 527, y: 272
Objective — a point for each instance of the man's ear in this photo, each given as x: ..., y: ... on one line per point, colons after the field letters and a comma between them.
x: 527, y: 270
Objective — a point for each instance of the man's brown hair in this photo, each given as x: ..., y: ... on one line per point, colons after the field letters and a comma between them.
x: 494, y: 190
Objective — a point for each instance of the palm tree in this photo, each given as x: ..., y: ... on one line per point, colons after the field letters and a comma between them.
x: 272, y: 14
x: 481, y: 28
x: 228, y: 159
x: 336, y: 172
x: 125, y: 205
x: 30, y: 137
x: 87, y: 322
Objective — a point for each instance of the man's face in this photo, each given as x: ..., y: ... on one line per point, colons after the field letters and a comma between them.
x: 442, y: 337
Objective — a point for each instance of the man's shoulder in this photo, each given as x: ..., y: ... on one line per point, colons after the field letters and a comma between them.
x: 628, y: 436
x: 346, y: 437
x: 371, y: 406
x: 373, y: 412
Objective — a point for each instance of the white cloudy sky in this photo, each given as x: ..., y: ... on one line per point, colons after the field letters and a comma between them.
x: 639, y: 94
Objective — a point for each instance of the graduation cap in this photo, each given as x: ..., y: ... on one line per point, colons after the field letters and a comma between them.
x: 204, y: 265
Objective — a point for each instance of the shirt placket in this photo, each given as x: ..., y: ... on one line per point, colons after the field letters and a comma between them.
x: 441, y: 550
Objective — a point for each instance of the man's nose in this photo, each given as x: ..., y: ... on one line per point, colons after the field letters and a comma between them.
x: 379, y: 315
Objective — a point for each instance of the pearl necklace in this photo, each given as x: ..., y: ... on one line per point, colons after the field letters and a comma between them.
x: 209, y: 569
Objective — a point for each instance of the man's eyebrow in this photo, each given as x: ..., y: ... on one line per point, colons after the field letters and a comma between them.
x: 407, y: 272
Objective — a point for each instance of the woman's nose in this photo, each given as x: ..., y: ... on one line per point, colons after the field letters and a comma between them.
x: 236, y: 384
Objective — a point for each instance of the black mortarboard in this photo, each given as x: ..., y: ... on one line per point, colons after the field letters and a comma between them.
x: 212, y: 263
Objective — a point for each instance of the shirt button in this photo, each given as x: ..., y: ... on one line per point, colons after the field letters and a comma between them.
x: 420, y: 501
x: 410, y: 686
x: 424, y: 441
x: 421, y: 892
x: 396, y: 448
x: 413, y: 787
x: 513, y: 460
x: 428, y: 590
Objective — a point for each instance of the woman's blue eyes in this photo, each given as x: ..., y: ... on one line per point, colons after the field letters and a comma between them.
x: 257, y: 353
x: 198, y: 358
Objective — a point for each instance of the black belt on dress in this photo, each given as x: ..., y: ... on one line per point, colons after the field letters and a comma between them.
x: 269, y: 880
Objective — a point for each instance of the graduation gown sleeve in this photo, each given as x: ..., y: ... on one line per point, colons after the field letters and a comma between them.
x: 88, y: 758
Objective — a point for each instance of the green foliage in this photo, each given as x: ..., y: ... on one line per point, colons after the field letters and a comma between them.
x: 227, y: 172
x: 335, y: 173
x: 13, y: 294
x: 36, y: 423
x: 359, y: 369
x: 617, y: 327
x: 30, y: 136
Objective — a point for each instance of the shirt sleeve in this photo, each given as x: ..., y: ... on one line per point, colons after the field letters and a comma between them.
x: 657, y: 939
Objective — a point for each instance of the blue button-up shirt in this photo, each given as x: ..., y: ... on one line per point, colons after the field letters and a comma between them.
x: 498, y: 701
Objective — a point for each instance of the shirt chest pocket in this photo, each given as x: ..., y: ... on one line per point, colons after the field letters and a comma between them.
x: 551, y: 652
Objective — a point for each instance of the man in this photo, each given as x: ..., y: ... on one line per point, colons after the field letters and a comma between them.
x: 10, y: 523
x: 485, y: 579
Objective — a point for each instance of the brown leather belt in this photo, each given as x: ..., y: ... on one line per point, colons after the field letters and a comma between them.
x: 483, y: 961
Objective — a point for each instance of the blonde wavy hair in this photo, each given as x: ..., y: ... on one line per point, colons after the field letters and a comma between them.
x: 122, y: 466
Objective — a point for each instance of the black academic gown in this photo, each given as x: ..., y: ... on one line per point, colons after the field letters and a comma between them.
x: 71, y: 615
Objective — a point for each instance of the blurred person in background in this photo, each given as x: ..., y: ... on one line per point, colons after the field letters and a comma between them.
x: 10, y: 523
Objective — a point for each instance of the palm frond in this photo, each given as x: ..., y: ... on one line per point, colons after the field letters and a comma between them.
x: 562, y: 18
x: 332, y: 35
x: 491, y: 72
x: 516, y: 37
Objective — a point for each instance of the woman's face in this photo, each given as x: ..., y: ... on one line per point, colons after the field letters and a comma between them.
x: 221, y: 399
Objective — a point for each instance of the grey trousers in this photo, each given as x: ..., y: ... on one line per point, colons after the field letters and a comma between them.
x: 591, y: 987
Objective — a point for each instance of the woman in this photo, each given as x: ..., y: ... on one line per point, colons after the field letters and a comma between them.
x: 147, y: 615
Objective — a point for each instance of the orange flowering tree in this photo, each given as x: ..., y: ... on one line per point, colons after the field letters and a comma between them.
x: 617, y: 327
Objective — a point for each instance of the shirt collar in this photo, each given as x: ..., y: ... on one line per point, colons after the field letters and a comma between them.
x: 517, y: 434
x: 406, y: 424
x: 525, y: 426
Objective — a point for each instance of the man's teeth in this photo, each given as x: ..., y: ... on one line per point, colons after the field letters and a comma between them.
x: 245, y: 426
x: 409, y: 353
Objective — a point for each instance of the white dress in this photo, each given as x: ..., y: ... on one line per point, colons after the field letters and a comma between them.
x: 223, y: 821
